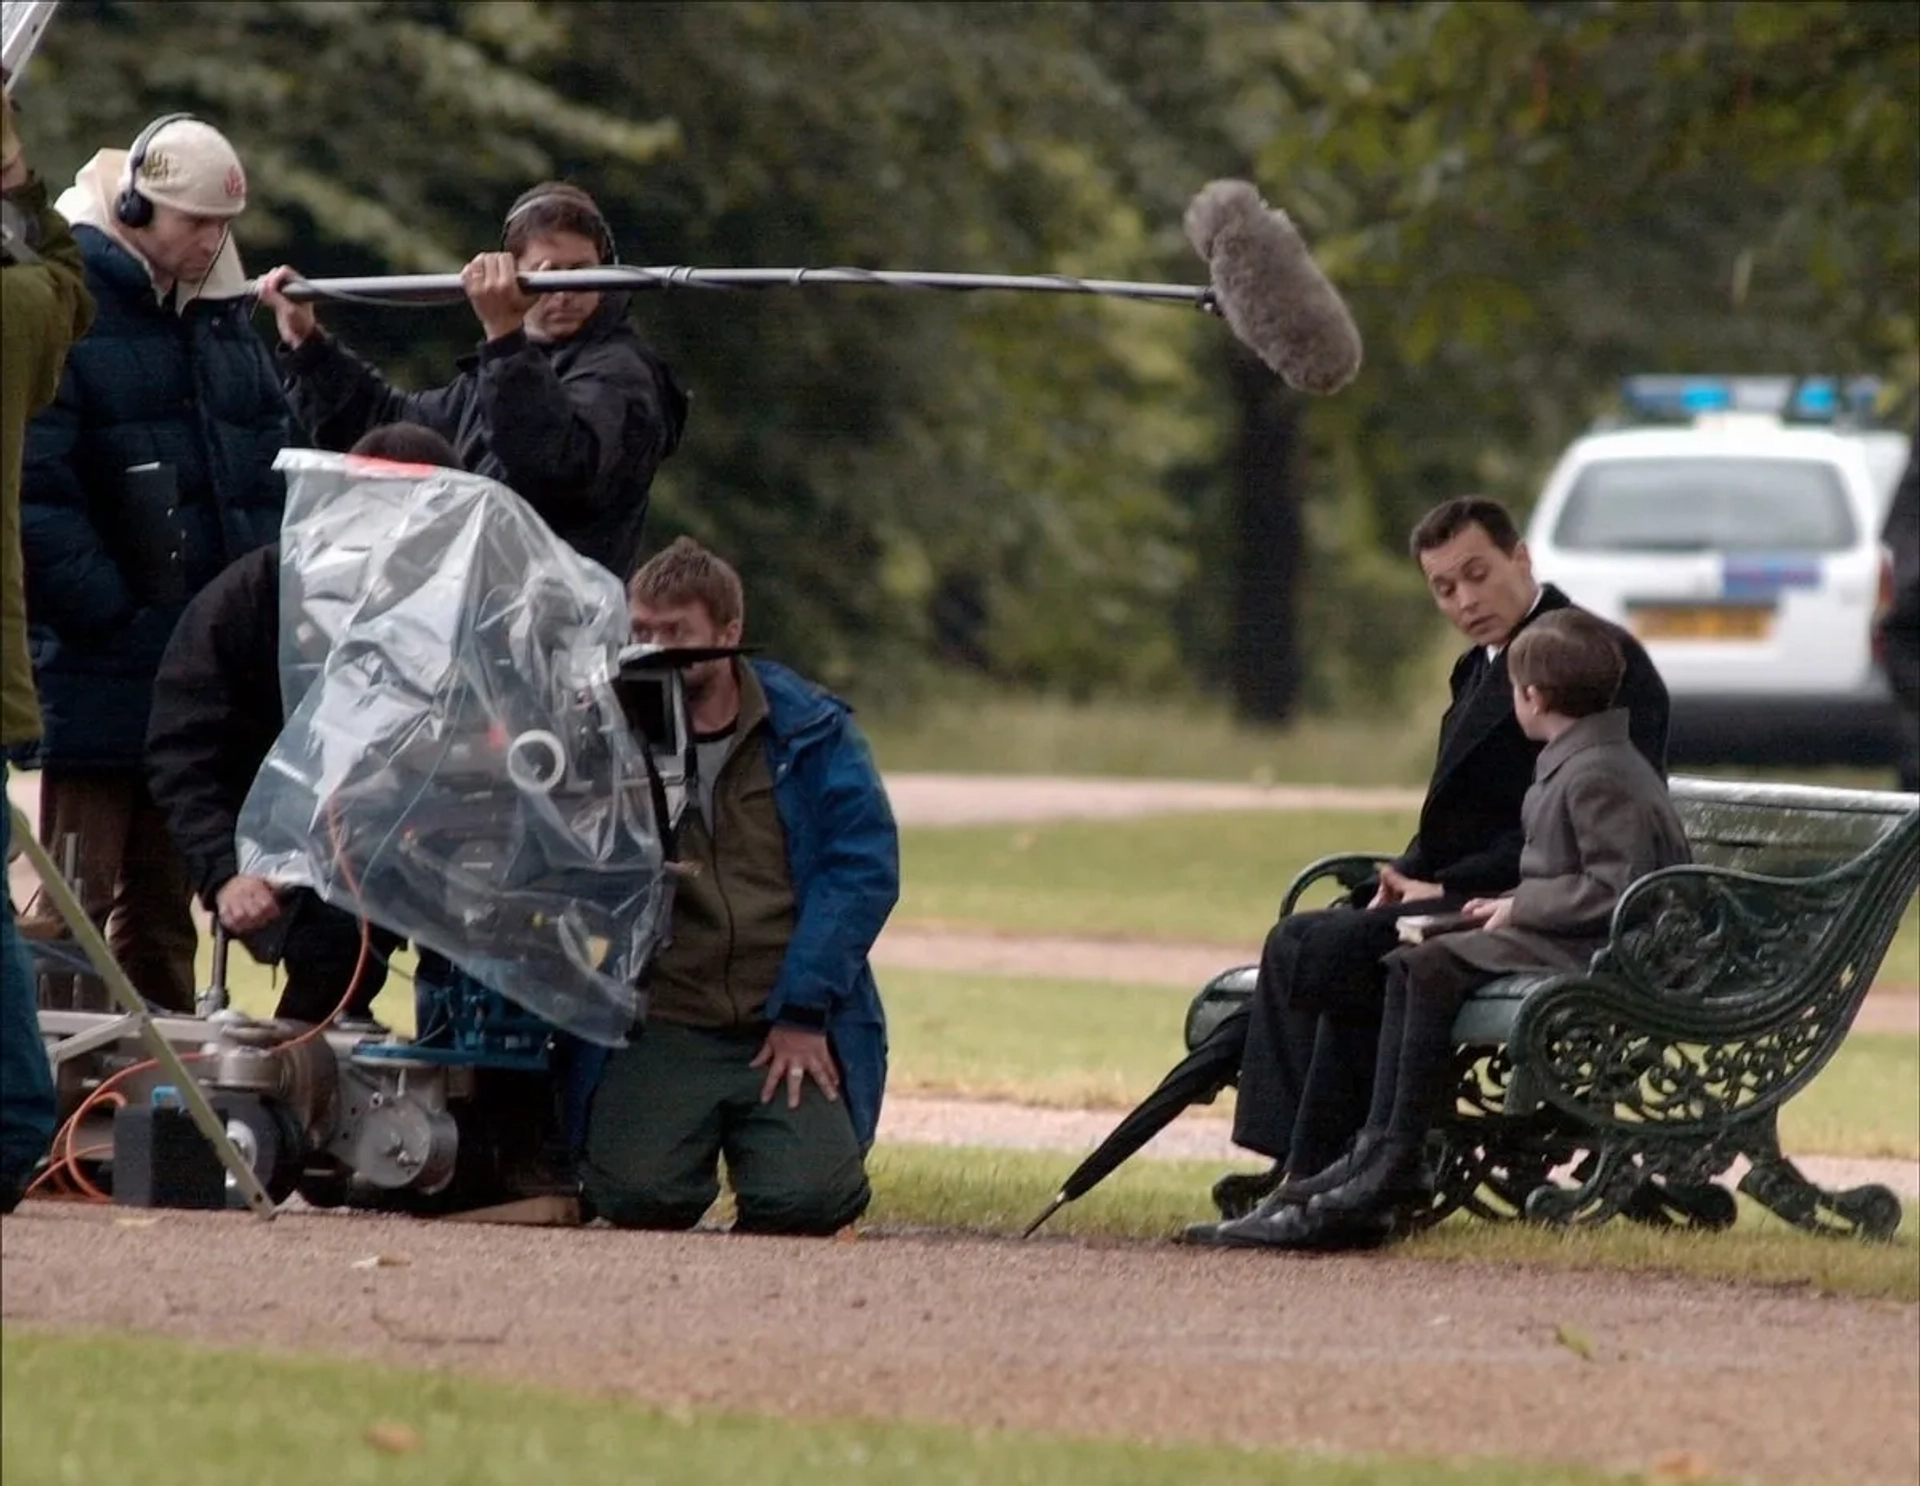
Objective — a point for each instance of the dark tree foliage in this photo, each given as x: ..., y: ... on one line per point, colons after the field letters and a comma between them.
x: 1521, y: 202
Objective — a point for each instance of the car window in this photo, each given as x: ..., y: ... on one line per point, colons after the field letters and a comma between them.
x: 1707, y: 505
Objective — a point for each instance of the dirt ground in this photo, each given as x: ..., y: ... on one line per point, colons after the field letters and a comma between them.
x: 1143, y: 1341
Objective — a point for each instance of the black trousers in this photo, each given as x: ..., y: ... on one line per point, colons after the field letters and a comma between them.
x: 1414, y: 1074
x: 1306, y: 1075
x: 319, y: 945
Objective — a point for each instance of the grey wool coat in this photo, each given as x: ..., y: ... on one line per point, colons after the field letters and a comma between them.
x: 1596, y: 818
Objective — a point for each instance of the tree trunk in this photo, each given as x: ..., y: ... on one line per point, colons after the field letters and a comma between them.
x: 1263, y: 659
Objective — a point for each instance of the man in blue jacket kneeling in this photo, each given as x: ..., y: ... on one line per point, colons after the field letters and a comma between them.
x: 764, y: 1039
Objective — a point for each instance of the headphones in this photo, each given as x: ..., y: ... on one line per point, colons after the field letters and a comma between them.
x: 133, y: 209
x: 609, y: 249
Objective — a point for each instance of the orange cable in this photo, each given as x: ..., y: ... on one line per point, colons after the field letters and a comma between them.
x: 67, y: 1166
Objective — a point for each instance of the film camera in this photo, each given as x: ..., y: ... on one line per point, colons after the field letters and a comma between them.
x: 476, y: 1109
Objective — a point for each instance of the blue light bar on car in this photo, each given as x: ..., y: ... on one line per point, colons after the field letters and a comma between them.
x: 1799, y: 399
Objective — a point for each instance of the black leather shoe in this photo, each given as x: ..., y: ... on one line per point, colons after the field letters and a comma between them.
x: 1338, y: 1172
x: 1309, y: 1229
x: 1394, y: 1175
x: 1239, y: 1192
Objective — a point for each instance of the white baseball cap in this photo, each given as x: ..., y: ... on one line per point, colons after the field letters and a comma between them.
x: 191, y: 167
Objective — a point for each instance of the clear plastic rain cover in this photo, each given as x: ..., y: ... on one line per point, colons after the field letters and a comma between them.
x: 455, y: 764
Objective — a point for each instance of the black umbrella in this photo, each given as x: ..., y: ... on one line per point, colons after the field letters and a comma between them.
x: 1203, y: 1073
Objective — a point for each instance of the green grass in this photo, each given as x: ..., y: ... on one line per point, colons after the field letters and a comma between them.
x: 1065, y: 1043
x: 1866, y: 1102
x: 1147, y: 739
x: 1211, y: 878
x: 997, y: 1192
x: 969, y: 729
x: 85, y: 1409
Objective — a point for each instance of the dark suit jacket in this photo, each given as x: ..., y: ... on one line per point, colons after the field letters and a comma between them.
x: 1470, y: 834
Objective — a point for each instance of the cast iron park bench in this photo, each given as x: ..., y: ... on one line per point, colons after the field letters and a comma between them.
x: 1725, y: 986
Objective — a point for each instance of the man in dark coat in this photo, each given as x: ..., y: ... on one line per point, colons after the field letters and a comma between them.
x: 151, y: 472
x: 1900, y: 626
x: 1306, y: 1073
x: 217, y: 711
x: 561, y: 403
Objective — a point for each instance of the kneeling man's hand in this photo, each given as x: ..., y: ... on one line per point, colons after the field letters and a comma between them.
x: 790, y: 1055
x: 246, y: 903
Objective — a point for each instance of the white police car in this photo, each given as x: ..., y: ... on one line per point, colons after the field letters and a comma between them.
x: 1742, y: 546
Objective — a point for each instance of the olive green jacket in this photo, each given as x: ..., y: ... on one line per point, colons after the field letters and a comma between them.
x: 44, y: 309
x: 733, y: 903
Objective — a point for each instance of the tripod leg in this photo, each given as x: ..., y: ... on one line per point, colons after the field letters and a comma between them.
x: 121, y: 989
x: 214, y: 997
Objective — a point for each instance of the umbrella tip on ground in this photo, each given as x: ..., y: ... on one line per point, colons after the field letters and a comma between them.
x: 1059, y: 1201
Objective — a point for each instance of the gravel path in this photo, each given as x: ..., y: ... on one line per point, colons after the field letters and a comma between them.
x: 987, y: 799
x: 1139, y: 1341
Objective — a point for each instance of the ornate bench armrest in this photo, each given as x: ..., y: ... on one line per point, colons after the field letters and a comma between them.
x: 1623, y: 1064
x: 1714, y: 951
x: 1349, y: 869
x: 1719, y: 996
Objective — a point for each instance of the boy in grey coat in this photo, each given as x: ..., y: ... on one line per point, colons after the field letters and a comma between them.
x: 1596, y: 818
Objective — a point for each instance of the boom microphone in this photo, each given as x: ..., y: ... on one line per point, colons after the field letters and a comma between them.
x: 1266, y: 286
x: 1270, y: 291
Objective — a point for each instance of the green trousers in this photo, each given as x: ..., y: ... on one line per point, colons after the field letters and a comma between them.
x: 676, y: 1099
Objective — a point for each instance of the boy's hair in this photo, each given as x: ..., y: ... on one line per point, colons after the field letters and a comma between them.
x: 1573, y: 659
x: 556, y: 206
x: 1448, y: 519
x: 406, y: 443
x: 687, y: 573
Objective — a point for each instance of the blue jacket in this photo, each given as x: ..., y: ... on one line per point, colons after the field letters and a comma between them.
x: 843, y: 854
x: 195, y: 391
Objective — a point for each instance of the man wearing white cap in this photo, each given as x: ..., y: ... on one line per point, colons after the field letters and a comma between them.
x: 150, y: 473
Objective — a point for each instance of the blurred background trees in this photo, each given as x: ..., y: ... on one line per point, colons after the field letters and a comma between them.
x: 1522, y: 203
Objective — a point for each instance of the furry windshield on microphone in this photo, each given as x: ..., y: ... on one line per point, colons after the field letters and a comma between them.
x: 1269, y: 290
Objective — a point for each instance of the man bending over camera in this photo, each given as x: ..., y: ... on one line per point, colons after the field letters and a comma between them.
x: 217, y: 711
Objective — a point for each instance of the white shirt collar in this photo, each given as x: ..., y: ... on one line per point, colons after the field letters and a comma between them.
x: 1539, y: 592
